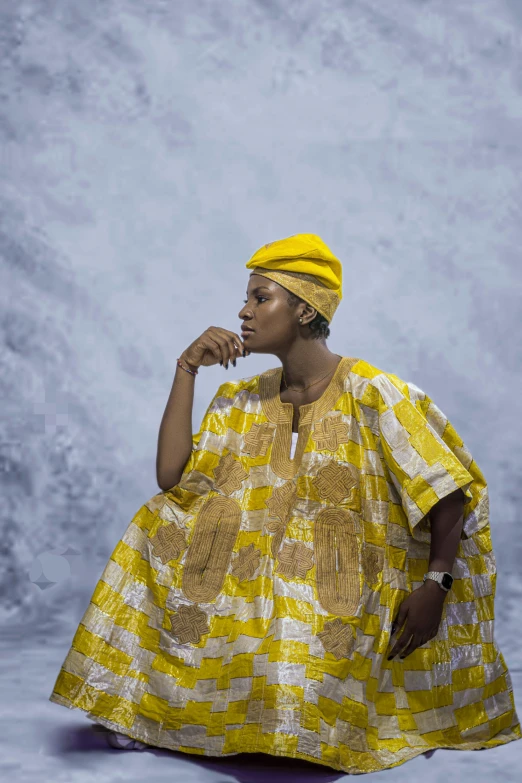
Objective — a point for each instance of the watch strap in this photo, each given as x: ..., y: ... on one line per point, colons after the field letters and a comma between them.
x: 437, y: 576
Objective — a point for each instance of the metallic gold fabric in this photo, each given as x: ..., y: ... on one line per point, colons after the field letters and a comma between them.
x: 305, y: 265
x: 248, y: 608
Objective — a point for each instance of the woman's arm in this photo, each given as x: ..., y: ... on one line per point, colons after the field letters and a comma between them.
x: 175, y: 433
x: 447, y: 519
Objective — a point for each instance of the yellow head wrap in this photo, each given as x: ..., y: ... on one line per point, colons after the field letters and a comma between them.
x: 305, y: 266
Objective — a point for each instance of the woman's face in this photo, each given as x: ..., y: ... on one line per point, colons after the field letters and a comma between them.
x: 266, y: 311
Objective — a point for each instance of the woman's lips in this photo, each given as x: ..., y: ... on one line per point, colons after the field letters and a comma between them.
x: 246, y: 332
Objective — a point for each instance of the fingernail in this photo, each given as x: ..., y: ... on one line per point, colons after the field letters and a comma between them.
x: 244, y: 352
x: 226, y: 366
x: 221, y: 362
x: 234, y: 362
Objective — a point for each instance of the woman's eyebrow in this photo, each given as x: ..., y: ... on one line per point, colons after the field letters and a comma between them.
x: 258, y: 288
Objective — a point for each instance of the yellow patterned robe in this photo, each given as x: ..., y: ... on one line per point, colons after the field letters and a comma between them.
x: 248, y: 608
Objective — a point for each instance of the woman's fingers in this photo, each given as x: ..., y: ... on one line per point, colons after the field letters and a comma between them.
x: 220, y: 344
x: 221, y: 347
x: 235, y: 350
x: 227, y: 347
x: 410, y: 646
x: 401, y: 644
x: 238, y: 343
x: 242, y: 350
x: 410, y: 641
x: 231, y: 345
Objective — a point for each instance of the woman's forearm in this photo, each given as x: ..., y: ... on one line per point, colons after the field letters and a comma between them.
x: 447, y: 519
x: 175, y: 433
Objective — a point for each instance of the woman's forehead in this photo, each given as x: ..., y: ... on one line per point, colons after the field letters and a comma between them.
x: 260, y: 282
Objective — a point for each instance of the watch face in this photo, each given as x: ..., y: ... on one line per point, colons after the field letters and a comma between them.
x: 447, y: 581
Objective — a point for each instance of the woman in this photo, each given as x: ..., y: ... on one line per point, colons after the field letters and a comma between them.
x: 316, y: 579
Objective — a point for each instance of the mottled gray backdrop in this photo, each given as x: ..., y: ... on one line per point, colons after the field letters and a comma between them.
x: 148, y: 149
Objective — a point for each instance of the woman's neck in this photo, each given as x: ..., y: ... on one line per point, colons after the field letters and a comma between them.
x: 302, y: 367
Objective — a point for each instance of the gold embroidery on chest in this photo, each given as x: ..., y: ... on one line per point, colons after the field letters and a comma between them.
x: 229, y: 474
x: 372, y: 561
x: 330, y: 432
x: 338, y: 638
x: 281, y: 415
x: 169, y: 542
x: 246, y: 563
x: 258, y: 439
x: 208, y: 556
x: 295, y: 559
x: 334, y: 482
x: 280, y: 461
x: 336, y: 551
x: 280, y: 505
x: 282, y: 501
x: 189, y: 624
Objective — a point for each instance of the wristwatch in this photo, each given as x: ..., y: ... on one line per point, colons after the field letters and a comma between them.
x: 444, y: 578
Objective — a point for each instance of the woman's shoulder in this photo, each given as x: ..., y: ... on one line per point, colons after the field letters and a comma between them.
x: 380, y: 380
x: 231, y: 388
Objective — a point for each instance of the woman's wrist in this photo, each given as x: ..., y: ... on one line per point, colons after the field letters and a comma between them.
x: 193, y: 367
x: 432, y: 587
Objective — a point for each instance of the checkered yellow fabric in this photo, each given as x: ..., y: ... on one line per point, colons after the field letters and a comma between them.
x: 248, y: 608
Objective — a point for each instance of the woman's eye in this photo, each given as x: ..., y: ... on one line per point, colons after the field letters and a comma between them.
x: 257, y: 297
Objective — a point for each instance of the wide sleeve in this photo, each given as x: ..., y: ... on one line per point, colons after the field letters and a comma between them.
x: 425, y: 456
x: 207, y: 443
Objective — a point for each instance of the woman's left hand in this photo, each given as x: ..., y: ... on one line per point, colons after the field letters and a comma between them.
x: 422, y: 612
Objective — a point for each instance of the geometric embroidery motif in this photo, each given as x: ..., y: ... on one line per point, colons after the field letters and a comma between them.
x: 168, y: 543
x: 278, y: 528
x: 372, y: 561
x: 210, y: 550
x: 282, y: 500
x: 331, y: 432
x: 295, y: 559
x: 229, y: 474
x: 334, y: 482
x: 246, y: 563
x: 338, y: 638
x: 189, y: 624
x: 280, y: 504
x: 258, y: 439
x: 336, y: 551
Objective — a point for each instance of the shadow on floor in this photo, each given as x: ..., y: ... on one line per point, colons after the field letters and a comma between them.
x: 246, y: 767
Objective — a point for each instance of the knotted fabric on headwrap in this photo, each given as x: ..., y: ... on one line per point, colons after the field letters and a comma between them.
x: 305, y: 266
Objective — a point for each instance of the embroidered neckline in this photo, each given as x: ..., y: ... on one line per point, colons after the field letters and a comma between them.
x: 276, y: 410
x: 281, y: 414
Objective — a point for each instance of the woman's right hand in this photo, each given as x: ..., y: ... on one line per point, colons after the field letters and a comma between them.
x: 215, y: 345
